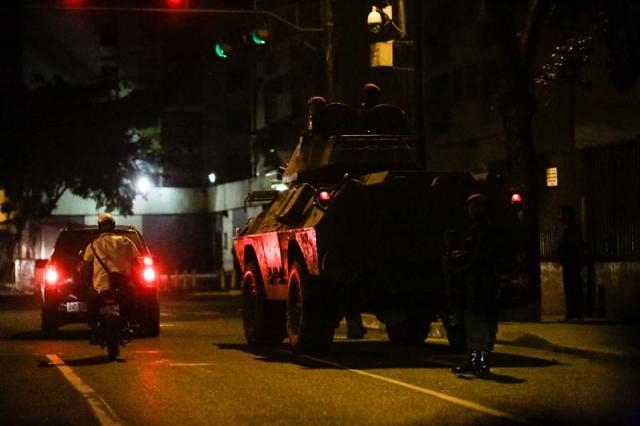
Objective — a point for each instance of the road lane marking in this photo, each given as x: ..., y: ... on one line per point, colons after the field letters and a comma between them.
x: 106, y: 416
x: 448, y: 398
x: 190, y: 364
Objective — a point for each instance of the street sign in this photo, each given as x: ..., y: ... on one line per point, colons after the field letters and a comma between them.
x: 552, y: 176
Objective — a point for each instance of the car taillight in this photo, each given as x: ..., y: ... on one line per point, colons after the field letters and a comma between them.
x: 147, y: 261
x: 51, y: 275
x: 149, y: 275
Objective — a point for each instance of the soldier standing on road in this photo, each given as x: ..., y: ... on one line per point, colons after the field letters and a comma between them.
x: 477, y: 268
x: 570, y: 252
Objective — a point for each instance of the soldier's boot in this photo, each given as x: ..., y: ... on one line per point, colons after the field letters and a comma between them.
x: 482, y: 364
x: 469, y: 365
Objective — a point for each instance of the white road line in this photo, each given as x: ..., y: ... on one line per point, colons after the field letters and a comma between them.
x: 106, y: 416
x: 448, y: 398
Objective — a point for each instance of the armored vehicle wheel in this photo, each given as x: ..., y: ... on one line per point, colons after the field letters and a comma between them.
x: 309, y: 323
x: 263, y: 320
x: 413, y: 330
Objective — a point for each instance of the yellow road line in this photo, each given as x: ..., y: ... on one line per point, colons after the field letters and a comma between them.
x: 448, y: 398
x: 106, y: 416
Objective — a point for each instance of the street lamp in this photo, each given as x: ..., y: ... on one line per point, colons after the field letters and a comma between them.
x: 212, y: 177
x: 144, y: 185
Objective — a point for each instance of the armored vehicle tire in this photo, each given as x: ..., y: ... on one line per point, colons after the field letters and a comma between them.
x: 310, y: 325
x: 412, y: 331
x: 263, y: 320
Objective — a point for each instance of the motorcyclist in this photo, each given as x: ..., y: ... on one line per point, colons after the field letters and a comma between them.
x: 108, y: 262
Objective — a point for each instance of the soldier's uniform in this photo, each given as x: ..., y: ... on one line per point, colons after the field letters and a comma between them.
x: 479, y: 289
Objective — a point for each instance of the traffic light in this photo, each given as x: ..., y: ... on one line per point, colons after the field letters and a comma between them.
x: 176, y: 4
x: 517, y: 204
x: 73, y: 3
x: 222, y: 50
x: 260, y: 36
x: 242, y: 40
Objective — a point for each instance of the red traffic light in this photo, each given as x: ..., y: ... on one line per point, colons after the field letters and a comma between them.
x: 73, y: 3
x: 174, y: 4
x: 516, y: 198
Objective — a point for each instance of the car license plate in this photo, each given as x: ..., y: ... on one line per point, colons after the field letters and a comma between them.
x: 76, y: 307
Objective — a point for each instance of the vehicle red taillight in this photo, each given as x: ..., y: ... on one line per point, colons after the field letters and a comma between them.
x: 147, y: 261
x: 149, y: 275
x: 51, y: 275
x: 324, y: 196
x: 516, y: 198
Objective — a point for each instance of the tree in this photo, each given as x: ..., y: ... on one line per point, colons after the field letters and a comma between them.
x: 59, y: 138
x: 518, y: 41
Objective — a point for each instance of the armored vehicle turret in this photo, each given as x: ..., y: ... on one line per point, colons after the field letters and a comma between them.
x: 361, y: 228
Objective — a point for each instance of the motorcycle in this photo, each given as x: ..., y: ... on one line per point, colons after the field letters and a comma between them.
x: 113, y: 329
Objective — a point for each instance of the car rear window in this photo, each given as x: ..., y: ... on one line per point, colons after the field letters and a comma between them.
x: 70, y: 243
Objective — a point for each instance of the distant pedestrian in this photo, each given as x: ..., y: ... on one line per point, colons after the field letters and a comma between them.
x: 370, y: 96
x: 314, y: 103
x: 479, y: 287
x: 572, y: 259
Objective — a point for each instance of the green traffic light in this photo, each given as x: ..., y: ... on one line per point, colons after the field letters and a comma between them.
x: 259, y: 37
x: 219, y: 49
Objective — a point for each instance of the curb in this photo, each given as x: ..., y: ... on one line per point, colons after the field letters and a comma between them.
x: 525, y: 340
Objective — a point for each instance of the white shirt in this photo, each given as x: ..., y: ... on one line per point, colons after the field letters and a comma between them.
x: 117, y: 252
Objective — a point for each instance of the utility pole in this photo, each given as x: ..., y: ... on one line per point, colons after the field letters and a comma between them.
x: 327, y: 42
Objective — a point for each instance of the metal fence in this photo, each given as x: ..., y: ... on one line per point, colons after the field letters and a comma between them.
x: 613, y: 202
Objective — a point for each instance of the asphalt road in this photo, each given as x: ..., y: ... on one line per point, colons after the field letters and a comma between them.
x: 201, y: 372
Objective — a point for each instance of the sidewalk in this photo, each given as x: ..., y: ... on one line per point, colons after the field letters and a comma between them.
x: 593, y: 338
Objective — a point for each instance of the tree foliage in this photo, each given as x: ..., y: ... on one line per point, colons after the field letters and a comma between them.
x: 518, y: 28
x: 60, y: 138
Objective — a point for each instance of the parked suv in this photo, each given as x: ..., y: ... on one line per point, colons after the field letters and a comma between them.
x: 64, y: 295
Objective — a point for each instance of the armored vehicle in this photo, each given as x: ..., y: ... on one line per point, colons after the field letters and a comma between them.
x: 362, y: 228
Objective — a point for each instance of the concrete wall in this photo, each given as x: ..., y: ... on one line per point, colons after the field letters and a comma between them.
x: 614, y: 292
x: 187, y: 228
x: 619, y: 285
